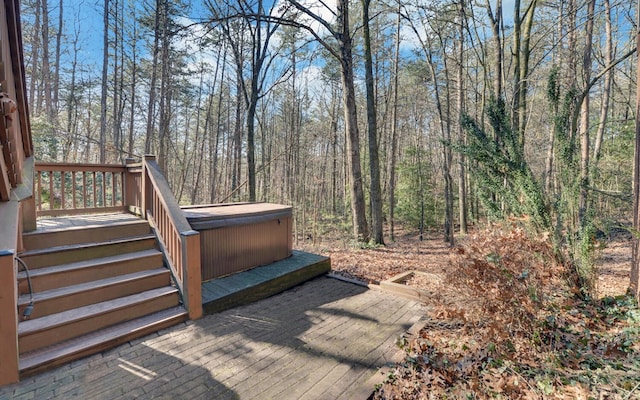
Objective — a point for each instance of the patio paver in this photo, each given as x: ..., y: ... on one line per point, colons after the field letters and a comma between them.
x: 320, y: 340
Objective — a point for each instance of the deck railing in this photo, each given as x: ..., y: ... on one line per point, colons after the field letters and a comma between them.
x: 65, y: 189
x: 140, y: 188
x: 180, y: 243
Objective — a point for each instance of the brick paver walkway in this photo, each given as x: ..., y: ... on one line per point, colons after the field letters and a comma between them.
x: 321, y: 340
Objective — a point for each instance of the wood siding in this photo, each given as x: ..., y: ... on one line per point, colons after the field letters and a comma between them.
x: 15, y: 134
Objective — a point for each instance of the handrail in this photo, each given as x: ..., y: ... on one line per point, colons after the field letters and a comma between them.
x: 180, y: 243
x: 65, y: 188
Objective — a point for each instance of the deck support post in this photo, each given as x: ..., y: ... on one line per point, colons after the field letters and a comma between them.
x: 192, y: 284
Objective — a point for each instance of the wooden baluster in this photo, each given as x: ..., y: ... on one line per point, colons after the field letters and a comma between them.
x: 63, y: 189
x: 73, y: 189
x: 84, y: 188
x: 95, y: 204
x: 114, y: 190
x: 104, y: 189
x: 39, y: 194
x: 51, y: 193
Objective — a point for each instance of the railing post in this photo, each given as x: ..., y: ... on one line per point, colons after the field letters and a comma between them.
x: 129, y: 186
x: 145, y: 196
x: 192, y: 279
x: 29, y: 215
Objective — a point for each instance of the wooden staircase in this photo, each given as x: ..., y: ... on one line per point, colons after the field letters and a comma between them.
x: 93, y: 288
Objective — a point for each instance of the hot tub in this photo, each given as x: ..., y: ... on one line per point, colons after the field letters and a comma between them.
x: 239, y: 236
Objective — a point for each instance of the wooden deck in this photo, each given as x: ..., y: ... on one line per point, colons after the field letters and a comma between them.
x: 90, y: 220
x: 262, y: 282
x: 323, y: 340
x: 232, y: 290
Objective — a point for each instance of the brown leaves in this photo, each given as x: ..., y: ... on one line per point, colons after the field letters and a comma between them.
x: 503, y: 321
x: 510, y: 328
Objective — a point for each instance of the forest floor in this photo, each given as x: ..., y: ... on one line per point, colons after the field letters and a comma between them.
x: 504, y: 319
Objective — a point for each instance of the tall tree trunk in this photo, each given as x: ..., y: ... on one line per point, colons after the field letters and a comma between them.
x: 608, y: 78
x: 214, y: 140
x: 462, y: 181
x: 116, y: 85
x: 343, y: 54
x: 495, y: 16
x: 635, y: 263
x: 56, y: 73
x: 515, y: 57
x: 521, y: 74
x: 103, y: 89
x: 374, y: 159
x: 445, y: 131
x: 360, y: 227
x: 251, y: 145
x: 237, y: 137
x: 72, y: 105
x: 572, y: 50
x: 35, y: 58
x: 134, y: 83
x: 46, y: 67
x: 164, y: 106
x: 549, y: 176
x: 394, y: 127
x: 151, y: 106
x: 584, y: 116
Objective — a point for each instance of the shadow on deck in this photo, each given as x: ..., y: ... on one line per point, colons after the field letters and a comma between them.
x: 263, y: 281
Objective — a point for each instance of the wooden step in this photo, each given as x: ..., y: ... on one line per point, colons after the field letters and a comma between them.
x: 43, y: 239
x: 72, y: 253
x: 55, y: 328
x: 68, y: 297
x: 57, y: 276
x: 61, y: 353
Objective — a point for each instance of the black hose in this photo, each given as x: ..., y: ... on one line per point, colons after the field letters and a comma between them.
x: 29, y: 308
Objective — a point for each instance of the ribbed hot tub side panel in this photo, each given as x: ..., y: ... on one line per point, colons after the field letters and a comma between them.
x: 236, y: 248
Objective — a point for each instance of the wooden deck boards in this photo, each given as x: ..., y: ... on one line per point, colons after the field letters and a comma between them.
x: 323, y: 340
x: 222, y: 211
x: 262, y: 282
x: 71, y: 221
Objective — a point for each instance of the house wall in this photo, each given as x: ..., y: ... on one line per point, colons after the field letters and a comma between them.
x: 17, y: 212
x: 9, y: 228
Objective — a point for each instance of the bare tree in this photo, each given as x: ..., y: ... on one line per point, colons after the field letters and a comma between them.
x: 342, y: 50
x: 635, y: 263
x: 372, y: 128
x: 394, y: 126
x: 462, y: 181
x: 584, y: 119
x: 608, y: 78
x: 104, y: 86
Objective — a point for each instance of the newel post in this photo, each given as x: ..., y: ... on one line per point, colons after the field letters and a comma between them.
x: 131, y: 194
x: 145, y: 195
x: 192, y: 278
x: 29, y: 214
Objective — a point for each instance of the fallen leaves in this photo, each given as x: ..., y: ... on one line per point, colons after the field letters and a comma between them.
x: 504, y: 321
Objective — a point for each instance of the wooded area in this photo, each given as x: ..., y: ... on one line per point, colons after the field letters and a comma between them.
x: 471, y: 109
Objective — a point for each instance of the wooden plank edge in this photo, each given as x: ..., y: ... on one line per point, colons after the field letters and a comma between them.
x: 268, y: 287
x: 30, y: 367
x: 366, y: 390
